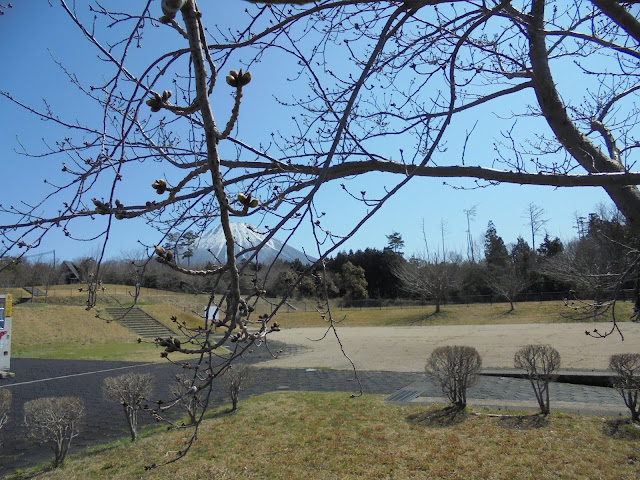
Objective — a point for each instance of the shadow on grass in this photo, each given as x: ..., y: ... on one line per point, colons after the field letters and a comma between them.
x: 421, y: 319
x: 507, y: 313
x: 621, y: 428
x: 440, y: 417
x: 34, y: 472
x: 585, y: 312
x: 219, y: 413
x: 523, y: 422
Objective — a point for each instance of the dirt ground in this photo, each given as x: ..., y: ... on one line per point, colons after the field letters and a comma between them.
x: 405, y: 349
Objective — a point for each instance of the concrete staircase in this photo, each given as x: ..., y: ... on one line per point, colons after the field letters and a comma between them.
x: 143, y: 324
x: 36, y: 292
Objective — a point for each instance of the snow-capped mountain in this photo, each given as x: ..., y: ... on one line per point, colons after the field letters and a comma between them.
x: 211, y: 246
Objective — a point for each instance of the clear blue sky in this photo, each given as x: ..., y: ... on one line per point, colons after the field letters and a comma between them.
x: 32, y: 35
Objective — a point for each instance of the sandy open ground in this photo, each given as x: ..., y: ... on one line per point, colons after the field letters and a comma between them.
x: 405, y: 349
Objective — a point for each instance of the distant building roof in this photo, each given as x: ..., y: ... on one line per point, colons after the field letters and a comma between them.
x: 73, y: 275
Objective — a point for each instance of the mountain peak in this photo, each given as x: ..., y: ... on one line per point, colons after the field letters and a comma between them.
x: 211, y: 246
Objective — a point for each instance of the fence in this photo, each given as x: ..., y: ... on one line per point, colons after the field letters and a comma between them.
x: 123, y: 294
x: 623, y: 295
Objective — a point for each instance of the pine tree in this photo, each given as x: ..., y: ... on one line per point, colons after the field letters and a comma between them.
x: 395, y: 243
x: 495, y: 251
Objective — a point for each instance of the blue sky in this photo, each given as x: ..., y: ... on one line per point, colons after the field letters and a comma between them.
x: 32, y: 34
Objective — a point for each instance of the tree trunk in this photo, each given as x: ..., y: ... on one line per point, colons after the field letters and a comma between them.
x: 132, y: 420
x: 592, y: 159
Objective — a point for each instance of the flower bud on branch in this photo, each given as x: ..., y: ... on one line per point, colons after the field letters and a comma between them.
x: 160, y: 186
x: 170, y: 8
x: 237, y: 80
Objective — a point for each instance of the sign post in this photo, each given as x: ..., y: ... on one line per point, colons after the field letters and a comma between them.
x: 6, y: 310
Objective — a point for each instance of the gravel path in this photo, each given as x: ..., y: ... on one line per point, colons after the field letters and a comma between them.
x: 405, y: 349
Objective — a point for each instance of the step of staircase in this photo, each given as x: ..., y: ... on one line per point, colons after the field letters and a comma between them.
x: 36, y: 292
x: 140, y: 322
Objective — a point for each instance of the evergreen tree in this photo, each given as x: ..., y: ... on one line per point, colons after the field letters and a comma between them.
x: 495, y: 251
x: 550, y: 251
x: 378, y: 267
x: 523, y: 257
x: 550, y: 248
x: 188, y: 254
x: 395, y: 243
x: 352, y: 282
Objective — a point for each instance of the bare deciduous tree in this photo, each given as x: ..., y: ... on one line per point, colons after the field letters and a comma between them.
x: 627, y: 381
x: 470, y: 213
x: 534, y: 215
x: 598, y: 264
x: 56, y: 421
x: 539, y: 361
x: 191, y: 399
x: 507, y: 282
x: 161, y: 150
x: 235, y: 379
x: 428, y: 281
x: 455, y: 368
x: 130, y: 390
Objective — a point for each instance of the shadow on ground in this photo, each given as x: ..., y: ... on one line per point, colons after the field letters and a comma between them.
x: 420, y: 320
x: 439, y: 417
x: 621, y: 428
x: 523, y: 422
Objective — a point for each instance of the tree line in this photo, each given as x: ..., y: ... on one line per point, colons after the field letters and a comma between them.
x: 592, y: 266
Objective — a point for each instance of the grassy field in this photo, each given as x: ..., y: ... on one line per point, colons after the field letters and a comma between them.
x: 330, y: 436
x: 474, y: 314
x: 71, y: 332
x: 63, y: 328
x: 303, y: 313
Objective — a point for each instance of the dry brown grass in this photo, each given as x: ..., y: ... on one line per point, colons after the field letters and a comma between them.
x: 163, y: 314
x: 63, y: 328
x: 71, y: 332
x: 124, y: 291
x: 328, y: 435
x: 39, y: 324
x: 187, y: 307
x: 474, y: 314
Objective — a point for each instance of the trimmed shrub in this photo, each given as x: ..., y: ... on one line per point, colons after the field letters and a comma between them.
x: 190, y: 398
x: 5, y: 405
x: 627, y: 381
x: 455, y: 368
x: 539, y: 361
x: 235, y: 379
x: 54, y: 420
x: 130, y: 390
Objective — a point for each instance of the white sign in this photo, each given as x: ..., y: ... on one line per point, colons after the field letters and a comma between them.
x: 6, y: 307
x: 211, y: 313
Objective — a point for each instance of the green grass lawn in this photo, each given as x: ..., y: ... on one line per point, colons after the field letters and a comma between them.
x: 331, y: 436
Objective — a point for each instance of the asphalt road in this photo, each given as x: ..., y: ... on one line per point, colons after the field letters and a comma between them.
x: 105, y: 421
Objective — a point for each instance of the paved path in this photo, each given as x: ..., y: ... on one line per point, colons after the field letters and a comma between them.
x: 390, y: 362
x: 105, y: 420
